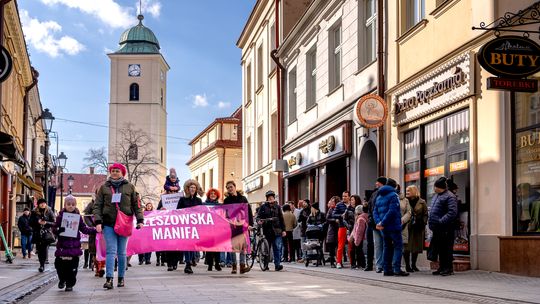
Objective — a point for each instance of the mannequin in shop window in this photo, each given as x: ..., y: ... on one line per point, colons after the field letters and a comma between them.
x: 528, y: 208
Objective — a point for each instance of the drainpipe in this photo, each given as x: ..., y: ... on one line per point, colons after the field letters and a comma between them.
x: 279, y: 76
x: 381, y: 134
x: 35, y: 75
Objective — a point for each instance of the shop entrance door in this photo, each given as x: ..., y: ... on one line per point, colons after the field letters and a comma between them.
x: 336, y: 177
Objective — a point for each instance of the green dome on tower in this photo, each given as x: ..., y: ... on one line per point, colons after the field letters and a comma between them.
x: 138, y: 40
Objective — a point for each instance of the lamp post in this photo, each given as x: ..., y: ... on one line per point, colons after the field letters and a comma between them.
x: 70, y: 180
x: 47, y: 119
x: 62, y: 159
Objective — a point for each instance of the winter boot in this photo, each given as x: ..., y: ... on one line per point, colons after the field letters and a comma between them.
x: 108, y: 284
x: 244, y: 268
x: 218, y: 267
x: 188, y: 269
x: 414, y: 259
x: 120, y: 282
x: 233, y: 269
x: 407, y: 258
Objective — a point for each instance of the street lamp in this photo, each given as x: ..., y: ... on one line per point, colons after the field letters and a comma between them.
x: 47, y: 119
x: 62, y: 159
x: 70, y: 180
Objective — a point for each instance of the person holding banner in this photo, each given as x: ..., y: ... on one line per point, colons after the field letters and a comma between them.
x: 271, y: 217
x: 99, y: 266
x: 236, y: 197
x: 212, y: 257
x: 147, y: 256
x: 68, y: 228
x: 190, y: 199
x: 116, y: 202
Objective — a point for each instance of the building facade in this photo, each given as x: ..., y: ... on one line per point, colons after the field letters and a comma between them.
x: 217, y: 153
x: 268, y: 23
x: 445, y: 121
x: 330, y: 63
x: 139, y: 104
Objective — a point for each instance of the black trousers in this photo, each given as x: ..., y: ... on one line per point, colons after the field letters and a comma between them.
x: 331, y: 248
x: 43, y: 253
x: 443, y: 245
x: 370, y: 247
x: 173, y: 257
x: 145, y: 257
x: 357, y: 256
x: 288, y: 247
x: 211, y: 258
x: 67, y: 270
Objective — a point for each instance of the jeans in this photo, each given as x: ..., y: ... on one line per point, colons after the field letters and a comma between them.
x: 242, y: 258
x: 188, y: 257
x: 393, y: 249
x: 116, y: 246
x: 26, y: 241
x: 277, y: 247
x: 378, y: 248
x: 304, y: 253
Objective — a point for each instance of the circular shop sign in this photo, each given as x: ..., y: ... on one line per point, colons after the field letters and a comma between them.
x: 371, y: 111
x: 510, y: 56
x: 6, y: 64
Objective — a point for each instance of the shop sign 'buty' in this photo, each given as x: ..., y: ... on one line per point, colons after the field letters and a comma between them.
x: 510, y: 56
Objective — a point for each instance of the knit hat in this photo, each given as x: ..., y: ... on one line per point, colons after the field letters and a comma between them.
x: 172, y: 173
x: 358, y: 209
x: 70, y: 199
x: 451, y: 185
x: 441, y: 183
x: 382, y: 180
x: 118, y: 166
x: 391, y: 182
x: 26, y: 209
x: 315, y: 205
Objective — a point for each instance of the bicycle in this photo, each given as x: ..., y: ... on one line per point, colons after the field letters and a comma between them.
x: 260, y: 249
x: 9, y: 254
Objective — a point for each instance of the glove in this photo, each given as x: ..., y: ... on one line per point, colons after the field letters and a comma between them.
x: 61, y: 229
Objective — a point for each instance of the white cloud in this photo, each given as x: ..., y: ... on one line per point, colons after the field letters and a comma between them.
x: 200, y: 101
x: 223, y: 104
x: 107, y: 50
x: 108, y: 11
x: 43, y: 37
x: 152, y: 7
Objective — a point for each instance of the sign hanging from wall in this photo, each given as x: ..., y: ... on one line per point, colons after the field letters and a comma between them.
x: 6, y: 64
x: 371, y: 111
x: 510, y: 56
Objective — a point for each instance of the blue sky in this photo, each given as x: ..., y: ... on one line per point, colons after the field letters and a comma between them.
x: 68, y: 41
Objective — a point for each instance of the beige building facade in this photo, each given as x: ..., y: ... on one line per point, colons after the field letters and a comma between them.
x: 217, y: 153
x: 445, y: 121
x: 139, y: 100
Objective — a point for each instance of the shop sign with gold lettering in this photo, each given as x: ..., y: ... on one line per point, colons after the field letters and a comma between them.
x: 510, y: 56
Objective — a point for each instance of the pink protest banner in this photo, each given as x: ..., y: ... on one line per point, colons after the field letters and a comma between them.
x: 222, y: 228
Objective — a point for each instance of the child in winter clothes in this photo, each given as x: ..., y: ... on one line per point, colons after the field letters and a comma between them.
x: 68, y: 249
x: 357, y: 237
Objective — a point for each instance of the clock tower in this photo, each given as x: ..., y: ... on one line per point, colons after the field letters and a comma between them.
x: 138, y: 103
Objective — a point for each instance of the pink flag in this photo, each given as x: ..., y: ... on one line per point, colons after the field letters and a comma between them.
x: 222, y: 228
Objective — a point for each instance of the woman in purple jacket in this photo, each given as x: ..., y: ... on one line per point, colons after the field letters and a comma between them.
x: 68, y: 247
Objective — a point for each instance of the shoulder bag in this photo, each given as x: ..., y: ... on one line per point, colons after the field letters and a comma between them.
x: 124, y: 223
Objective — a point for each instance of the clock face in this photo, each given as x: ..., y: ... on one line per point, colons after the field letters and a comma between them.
x: 134, y: 70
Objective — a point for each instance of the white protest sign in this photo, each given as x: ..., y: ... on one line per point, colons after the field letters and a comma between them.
x: 70, y: 221
x: 170, y: 201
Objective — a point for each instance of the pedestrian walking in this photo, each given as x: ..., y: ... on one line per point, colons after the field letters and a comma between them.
x: 442, y: 218
x: 332, y: 230
x: 234, y: 196
x: 99, y: 266
x: 146, y: 257
x: 357, y: 237
x: 41, y: 220
x: 212, y: 259
x: 116, y: 199
x: 305, y: 210
x: 68, y: 247
x: 26, y: 233
x: 387, y: 215
x: 406, y: 214
x: 374, y: 236
x: 339, y: 214
x: 290, y: 224
x: 417, y: 228
x: 190, y: 199
x: 349, y: 218
x: 270, y: 217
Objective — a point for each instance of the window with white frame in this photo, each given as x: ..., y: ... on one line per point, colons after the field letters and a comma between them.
x: 414, y: 12
x: 272, y: 45
x: 311, y: 78
x: 260, y: 66
x: 335, y: 56
x: 292, y: 96
x: 368, y: 32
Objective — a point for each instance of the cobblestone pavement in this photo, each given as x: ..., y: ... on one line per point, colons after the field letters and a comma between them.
x: 296, y: 284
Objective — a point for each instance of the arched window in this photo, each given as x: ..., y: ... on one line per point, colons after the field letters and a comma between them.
x: 133, y: 152
x: 134, y: 91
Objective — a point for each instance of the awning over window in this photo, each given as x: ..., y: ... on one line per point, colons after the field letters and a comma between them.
x: 458, y: 123
x: 29, y: 183
x: 8, y: 151
x: 434, y: 131
x: 412, y: 139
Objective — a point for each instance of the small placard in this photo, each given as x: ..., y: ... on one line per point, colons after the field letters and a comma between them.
x: 116, y: 197
x: 70, y: 222
x: 170, y: 201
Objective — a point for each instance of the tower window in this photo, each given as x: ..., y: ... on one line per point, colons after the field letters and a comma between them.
x: 161, y: 96
x: 133, y: 152
x: 134, y: 92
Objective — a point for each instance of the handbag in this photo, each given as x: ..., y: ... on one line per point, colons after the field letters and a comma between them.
x: 46, y: 236
x: 124, y: 223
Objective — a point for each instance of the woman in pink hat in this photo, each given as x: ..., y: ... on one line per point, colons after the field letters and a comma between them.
x: 114, y: 197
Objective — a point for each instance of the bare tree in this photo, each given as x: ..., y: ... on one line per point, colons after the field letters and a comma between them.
x: 133, y: 149
x: 97, y: 158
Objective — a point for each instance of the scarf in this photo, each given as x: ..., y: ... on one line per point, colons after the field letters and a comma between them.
x: 116, y: 183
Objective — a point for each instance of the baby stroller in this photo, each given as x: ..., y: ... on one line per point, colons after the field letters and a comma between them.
x: 313, y: 245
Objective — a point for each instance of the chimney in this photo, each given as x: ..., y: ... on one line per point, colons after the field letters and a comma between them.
x: 91, y: 170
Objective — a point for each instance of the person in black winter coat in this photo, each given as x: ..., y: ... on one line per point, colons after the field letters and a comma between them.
x: 270, y: 217
x: 441, y: 221
x: 191, y: 189
x: 42, y: 220
x: 26, y: 233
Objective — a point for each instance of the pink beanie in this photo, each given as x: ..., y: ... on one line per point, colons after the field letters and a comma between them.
x: 119, y: 166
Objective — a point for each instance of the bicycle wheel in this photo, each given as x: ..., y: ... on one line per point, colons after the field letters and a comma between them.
x: 263, y: 252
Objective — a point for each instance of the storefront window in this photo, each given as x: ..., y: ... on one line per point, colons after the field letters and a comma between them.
x: 527, y: 163
x: 412, y: 158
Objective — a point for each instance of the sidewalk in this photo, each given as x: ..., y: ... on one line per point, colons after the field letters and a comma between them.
x: 22, y: 277
x: 498, y: 286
